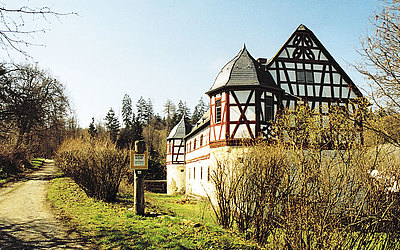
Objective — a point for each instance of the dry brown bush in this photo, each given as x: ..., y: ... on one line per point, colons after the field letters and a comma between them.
x: 12, y: 160
x: 95, y: 164
x: 312, y: 187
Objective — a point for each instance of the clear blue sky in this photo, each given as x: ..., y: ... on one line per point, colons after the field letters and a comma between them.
x: 175, y: 49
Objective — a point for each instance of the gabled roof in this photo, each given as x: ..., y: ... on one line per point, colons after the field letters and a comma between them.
x: 303, y: 30
x: 203, y: 122
x: 242, y: 70
x: 180, y: 130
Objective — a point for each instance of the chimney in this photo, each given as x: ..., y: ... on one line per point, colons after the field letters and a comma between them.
x: 262, y: 61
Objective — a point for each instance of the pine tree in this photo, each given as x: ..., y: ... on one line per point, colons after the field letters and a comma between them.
x: 92, y: 129
x: 199, y: 111
x: 127, y: 111
x: 183, y: 110
x: 112, y: 124
x: 141, y: 106
x: 149, y: 110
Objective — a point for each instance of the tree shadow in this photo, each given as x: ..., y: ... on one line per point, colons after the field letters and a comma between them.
x: 36, y: 234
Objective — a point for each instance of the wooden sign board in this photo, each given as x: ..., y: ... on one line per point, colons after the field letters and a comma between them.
x: 139, y: 161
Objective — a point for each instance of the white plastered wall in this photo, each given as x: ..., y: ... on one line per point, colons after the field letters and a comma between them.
x: 176, y: 179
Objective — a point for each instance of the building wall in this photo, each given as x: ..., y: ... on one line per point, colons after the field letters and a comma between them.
x: 197, y: 163
x: 176, y: 179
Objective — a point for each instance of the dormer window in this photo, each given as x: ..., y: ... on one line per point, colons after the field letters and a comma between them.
x: 218, y: 111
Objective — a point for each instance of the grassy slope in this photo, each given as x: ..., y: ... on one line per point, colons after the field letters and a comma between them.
x: 116, y: 225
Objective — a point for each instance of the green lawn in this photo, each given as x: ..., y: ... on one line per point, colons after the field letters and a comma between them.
x: 114, y: 225
x: 179, y: 206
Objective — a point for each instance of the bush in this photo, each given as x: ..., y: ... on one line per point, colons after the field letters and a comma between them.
x: 96, y: 165
x: 12, y: 160
x: 294, y: 193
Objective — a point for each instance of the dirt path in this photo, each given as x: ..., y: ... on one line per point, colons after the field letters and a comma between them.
x: 26, y: 222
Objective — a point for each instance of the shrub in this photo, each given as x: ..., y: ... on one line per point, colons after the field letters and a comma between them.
x: 294, y: 193
x: 12, y: 160
x: 95, y: 164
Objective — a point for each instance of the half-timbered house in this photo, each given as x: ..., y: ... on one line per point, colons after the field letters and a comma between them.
x: 246, y: 95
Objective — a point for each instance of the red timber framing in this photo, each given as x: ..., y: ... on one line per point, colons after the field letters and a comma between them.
x: 175, y: 151
x: 305, y: 69
x: 219, y: 130
x: 246, y: 114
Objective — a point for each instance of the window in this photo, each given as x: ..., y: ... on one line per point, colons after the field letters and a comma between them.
x: 269, y: 103
x: 201, y: 173
x: 194, y: 173
x: 300, y: 76
x: 217, y: 111
x: 304, y: 76
x: 194, y: 144
x: 309, y: 77
x: 201, y: 140
x: 208, y: 173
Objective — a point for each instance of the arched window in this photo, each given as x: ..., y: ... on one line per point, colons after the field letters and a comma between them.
x: 201, y: 140
x: 194, y: 144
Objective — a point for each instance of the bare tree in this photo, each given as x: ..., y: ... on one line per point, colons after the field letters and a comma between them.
x: 380, y: 52
x: 17, y: 29
x: 32, y: 102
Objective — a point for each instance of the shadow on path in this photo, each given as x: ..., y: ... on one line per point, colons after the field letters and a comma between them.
x: 36, y: 235
x: 25, y: 219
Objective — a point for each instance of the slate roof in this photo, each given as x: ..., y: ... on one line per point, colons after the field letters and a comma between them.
x: 203, y: 122
x: 242, y: 70
x: 180, y: 130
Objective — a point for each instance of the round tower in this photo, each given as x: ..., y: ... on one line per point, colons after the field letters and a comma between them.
x: 243, y: 100
x: 176, y: 158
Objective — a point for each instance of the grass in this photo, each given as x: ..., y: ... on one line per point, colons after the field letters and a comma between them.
x: 178, y: 205
x: 114, y: 225
x: 37, y: 162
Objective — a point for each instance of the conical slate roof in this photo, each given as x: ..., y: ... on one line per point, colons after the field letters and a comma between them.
x: 242, y: 70
x: 180, y: 130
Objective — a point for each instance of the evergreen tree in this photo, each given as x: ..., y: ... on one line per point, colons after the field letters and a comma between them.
x: 127, y: 111
x: 182, y: 110
x: 92, y: 129
x: 149, y: 110
x: 141, y: 107
x: 112, y: 124
x: 200, y: 109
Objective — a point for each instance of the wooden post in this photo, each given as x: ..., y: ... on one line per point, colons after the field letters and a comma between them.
x: 139, y: 192
x: 139, y: 182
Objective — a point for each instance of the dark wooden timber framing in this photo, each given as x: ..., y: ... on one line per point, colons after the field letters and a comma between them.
x: 305, y: 53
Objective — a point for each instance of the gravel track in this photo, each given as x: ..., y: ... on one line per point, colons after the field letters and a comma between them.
x: 26, y: 220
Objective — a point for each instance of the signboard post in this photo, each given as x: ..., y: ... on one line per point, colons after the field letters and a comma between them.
x: 139, y: 162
